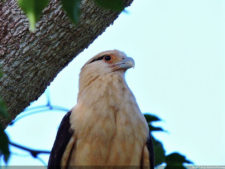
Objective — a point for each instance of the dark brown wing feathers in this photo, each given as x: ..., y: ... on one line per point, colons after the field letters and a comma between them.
x: 150, y: 149
x: 62, y: 138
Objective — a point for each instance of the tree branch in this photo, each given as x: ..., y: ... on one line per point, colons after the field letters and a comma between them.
x: 30, y: 61
x: 33, y: 152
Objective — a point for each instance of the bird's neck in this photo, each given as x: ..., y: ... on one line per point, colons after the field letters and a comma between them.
x: 106, y: 98
x: 94, y: 86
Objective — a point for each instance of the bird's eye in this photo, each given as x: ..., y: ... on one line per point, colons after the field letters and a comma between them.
x: 107, y: 57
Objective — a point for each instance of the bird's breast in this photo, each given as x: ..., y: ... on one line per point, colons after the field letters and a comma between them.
x: 109, y: 127
x: 115, y: 137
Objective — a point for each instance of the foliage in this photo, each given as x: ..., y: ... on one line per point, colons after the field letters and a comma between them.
x: 4, y: 145
x: 72, y: 9
x: 159, y: 152
x: 4, y: 140
x: 173, y: 160
x: 117, y: 5
x: 33, y: 8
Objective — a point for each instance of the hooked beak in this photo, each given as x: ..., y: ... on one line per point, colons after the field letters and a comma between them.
x: 124, y: 64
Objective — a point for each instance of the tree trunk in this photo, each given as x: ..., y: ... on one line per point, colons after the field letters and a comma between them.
x: 30, y: 61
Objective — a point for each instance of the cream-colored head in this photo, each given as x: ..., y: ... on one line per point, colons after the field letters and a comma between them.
x: 104, y: 63
x: 109, y: 61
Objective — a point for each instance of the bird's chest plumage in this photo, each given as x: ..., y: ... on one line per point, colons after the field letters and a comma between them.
x: 112, y: 132
x: 109, y: 141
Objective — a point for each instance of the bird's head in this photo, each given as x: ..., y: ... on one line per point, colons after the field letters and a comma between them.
x: 109, y: 61
x: 106, y: 63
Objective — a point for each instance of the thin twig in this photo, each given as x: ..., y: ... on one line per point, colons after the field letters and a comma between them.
x: 35, y: 110
x: 58, y: 108
x: 33, y: 152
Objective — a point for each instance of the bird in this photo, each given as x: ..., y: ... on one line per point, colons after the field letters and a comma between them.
x: 106, y: 127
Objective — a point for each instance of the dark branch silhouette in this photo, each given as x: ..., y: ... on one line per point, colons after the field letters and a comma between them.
x: 31, y: 111
x: 34, y: 153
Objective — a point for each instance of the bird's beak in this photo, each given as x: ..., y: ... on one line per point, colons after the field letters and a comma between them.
x: 124, y: 64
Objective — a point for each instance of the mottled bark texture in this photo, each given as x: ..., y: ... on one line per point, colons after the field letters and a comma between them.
x: 30, y: 61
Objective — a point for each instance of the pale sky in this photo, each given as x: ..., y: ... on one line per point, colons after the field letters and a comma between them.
x: 178, y: 48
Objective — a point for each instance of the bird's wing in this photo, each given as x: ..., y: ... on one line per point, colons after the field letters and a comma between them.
x: 150, y: 150
x: 63, y: 137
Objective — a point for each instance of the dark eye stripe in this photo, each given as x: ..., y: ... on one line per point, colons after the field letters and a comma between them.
x: 101, y: 57
x: 96, y: 59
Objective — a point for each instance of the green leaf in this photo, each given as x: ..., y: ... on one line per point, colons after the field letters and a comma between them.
x: 152, y: 128
x: 159, y: 152
x: 176, y: 160
x: 151, y: 118
x: 4, y: 145
x: 33, y: 9
x: 72, y: 8
x: 175, y: 167
x: 116, y: 5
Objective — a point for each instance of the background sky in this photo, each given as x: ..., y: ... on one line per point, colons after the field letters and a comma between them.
x: 178, y: 48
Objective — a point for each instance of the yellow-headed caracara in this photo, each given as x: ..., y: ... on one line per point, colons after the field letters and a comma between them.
x: 106, y: 128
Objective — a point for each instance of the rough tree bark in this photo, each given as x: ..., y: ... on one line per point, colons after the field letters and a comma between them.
x: 30, y: 61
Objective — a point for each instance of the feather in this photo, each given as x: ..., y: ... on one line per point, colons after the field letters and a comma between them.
x: 151, y: 150
x: 62, y: 138
x: 110, y: 128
